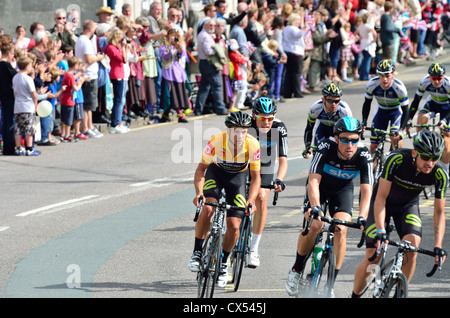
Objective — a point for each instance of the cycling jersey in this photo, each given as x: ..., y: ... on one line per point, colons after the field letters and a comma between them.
x: 392, y: 98
x: 336, y: 184
x: 402, y: 203
x: 439, y: 95
x: 217, y: 151
x: 273, y: 144
x: 326, y: 121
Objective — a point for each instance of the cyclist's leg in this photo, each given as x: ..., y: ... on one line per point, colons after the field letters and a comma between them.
x: 379, y: 121
x: 409, y: 227
x: 396, y: 118
x: 424, y: 115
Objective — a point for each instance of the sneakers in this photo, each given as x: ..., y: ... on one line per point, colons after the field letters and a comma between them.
x: 119, y: 129
x: 20, y: 151
x: 81, y: 136
x: 93, y: 133
x: 194, y: 261
x: 32, y: 152
x: 254, y: 260
x: 222, y: 279
x: 68, y: 139
x: 293, y: 283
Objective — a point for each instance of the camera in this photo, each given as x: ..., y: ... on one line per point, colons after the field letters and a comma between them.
x: 177, y: 39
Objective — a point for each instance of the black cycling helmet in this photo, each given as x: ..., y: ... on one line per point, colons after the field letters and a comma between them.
x: 436, y: 69
x: 385, y: 67
x: 428, y: 143
x: 347, y: 124
x: 264, y: 105
x: 238, y: 119
x: 332, y: 90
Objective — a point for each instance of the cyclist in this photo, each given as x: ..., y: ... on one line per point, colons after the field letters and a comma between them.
x: 273, y: 139
x: 225, y: 163
x: 392, y: 104
x: 327, y: 111
x: 438, y: 87
x: 334, y: 166
x: 405, y: 174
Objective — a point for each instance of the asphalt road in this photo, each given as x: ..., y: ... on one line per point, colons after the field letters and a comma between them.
x: 112, y: 217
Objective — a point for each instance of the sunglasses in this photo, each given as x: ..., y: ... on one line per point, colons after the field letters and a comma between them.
x: 61, y: 18
x: 333, y: 101
x: 428, y: 158
x: 262, y: 118
x: 436, y: 78
x: 346, y: 140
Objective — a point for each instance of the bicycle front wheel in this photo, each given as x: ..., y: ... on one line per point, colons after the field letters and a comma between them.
x: 207, y: 277
x: 240, y: 254
x: 322, y: 285
x: 396, y: 287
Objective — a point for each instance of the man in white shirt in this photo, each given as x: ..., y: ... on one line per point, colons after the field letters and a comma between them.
x: 86, y: 50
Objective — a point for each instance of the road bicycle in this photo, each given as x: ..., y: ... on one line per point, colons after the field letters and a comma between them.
x: 387, y: 279
x: 379, y: 156
x: 239, y: 257
x: 211, y: 260
x: 321, y: 260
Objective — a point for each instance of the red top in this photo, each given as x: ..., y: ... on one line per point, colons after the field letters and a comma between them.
x: 115, y: 61
x: 66, y: 95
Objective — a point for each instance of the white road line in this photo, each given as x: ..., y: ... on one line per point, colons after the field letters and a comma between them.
x: 4, y: 228
x: 56, y: 205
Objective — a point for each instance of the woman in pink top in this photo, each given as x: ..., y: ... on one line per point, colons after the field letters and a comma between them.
x: 117, y: 50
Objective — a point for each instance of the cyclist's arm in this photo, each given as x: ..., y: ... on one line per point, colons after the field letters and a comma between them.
x: 255, y: 185
x: 446, y: 154
x: 384, y: 188
x: 414, y: 106
x: 366, y: 194
x: 282, y: 171
x: 314, y: 180
x: 439, y: 221
x: 366, y: 110
x: 405, y: 117
x: 199, y: 180
x: 309, y: 132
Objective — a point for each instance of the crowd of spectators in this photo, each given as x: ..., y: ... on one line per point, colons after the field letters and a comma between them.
x: 119, y: 68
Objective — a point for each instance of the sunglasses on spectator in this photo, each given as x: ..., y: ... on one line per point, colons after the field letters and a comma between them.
x: 61, y: 18
x: 332, y: 101
x: 437, y: 78
x: 428, y: 158
x: 346, y: 140
x: 262, y: 118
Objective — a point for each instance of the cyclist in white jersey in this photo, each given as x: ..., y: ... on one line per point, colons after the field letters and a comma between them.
x: 392, y: 104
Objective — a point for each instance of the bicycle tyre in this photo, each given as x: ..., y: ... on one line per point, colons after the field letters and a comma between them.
x: 378, y: 164
x: 328, y: 259
x: 242, y: 253
x: 211, y: 266
x: 204, y: 266
x: 396, y: 288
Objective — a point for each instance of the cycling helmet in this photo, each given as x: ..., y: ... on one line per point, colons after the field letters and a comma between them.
x: 347, y: 124
x: 238, y: 119
x: 428, y: 143
x: 385, y: 67
x: 436, y: 69
x: 264, y: 105
x: 332, y: 90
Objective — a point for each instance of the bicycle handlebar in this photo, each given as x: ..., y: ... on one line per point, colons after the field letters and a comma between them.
x: 381, y: 131
x: 275, y: 194
x: 405, y: 246
x: 222, y: 205
x: 426, y: 126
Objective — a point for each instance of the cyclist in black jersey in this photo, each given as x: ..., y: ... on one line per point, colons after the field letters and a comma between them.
x: 333, y: 168
x: 273, y: 139
x: 405, y: 174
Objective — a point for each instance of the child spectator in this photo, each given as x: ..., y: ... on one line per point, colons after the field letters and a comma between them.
x: 25, y: 105
x: 274, y: 68
x: 346, y: 50
x: 69, y: 109
x: 239, y: 62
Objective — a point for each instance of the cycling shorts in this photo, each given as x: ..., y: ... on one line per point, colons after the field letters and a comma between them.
x: 381, y: 121
x: 406, y: 220
x: 338, y: 201
x: 234, y: 184
x: 432, y: 108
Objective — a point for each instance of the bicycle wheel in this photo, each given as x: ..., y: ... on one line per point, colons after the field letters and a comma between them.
x: 396, y: 287
x: 378, y: 166
x: 241, y: 253
x: 323, y: 286
x: 211, y: 265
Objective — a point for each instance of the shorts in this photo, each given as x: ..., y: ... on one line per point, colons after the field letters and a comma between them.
x: 335, y: 54
x: 234, y: 184
x: 406, y: 219
x: 415, y: 35
x: 432, y: 108
x: 24, y: 124
x: 67, y: 114
x: 388, y: 51
x: 340, y: 200
x: 381, y: 120
x: 90, y: 91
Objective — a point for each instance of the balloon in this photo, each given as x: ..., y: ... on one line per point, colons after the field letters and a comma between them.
x: 44, y: 108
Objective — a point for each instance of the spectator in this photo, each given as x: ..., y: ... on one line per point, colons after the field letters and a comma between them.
x: 277, y: 35
x: 104, y: 15
x: 226, y: 87
x: 211, y: 80
x: 25, y: 104
x: 415, y: 13
x: 117, y: 51
x: 293, y: 45
x: 367, y: 35
x: 173, y: 74
x: 387, y: 30
x: 21, y: 41
x: 239, y: 62
x: 255, y: 36
x: 348, y: 39
x: 209, y: 10
x: 101, y: 115
x: 7, y: 73
x: 62, y: 30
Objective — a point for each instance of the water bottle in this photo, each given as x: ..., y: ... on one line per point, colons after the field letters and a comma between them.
x: 317, y: 255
